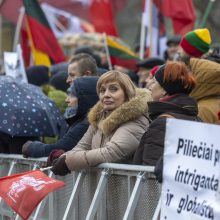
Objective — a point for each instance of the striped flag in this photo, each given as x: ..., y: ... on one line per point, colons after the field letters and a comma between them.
x: 120, y: 54
x: 44, y: 46
x: 155, y: 39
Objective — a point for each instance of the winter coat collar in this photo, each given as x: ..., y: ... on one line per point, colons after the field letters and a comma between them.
x: 130, y: 110
x: 179, y: 104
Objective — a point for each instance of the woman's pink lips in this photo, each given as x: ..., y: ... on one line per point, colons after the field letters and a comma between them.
x: 107, y: 102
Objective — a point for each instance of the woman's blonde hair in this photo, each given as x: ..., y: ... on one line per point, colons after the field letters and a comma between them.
x: 124, y: 81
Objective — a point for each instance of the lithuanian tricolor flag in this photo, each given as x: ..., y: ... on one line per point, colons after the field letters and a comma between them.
x: 44, y: 45
x: 121, y: 55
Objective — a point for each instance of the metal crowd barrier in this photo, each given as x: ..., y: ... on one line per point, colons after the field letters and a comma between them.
x: 107, y: 192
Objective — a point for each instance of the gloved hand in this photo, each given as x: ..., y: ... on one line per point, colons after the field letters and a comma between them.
x: 54, y: 154
x: 158, y: 170
x: 60, y: 167
x: 25, y: 148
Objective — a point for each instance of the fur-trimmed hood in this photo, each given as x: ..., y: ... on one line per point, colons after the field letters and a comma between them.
x: 130, y: 110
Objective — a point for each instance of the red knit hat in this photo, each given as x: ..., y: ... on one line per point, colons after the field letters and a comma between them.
x: 196, y: 42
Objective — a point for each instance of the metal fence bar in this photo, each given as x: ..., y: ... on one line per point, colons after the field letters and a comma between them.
x: 12, y: 164
x: 42, y: 203
x: 129, y: 167
x: 17, y: 217
x: 134, y: 196
x: 34, y: 168
x: 75, y: 193
x: 102, y: 214
x: 129, y: 187
x: 51, y: 207
x: 157, y: 210
x: 98, y: 194
x: 11, y: 167
x: 128, y: 200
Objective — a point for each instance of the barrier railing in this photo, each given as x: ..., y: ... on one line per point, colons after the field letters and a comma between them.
x: 109, y: 191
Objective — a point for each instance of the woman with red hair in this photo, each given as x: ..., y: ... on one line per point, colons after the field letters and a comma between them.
x: 170, y: 91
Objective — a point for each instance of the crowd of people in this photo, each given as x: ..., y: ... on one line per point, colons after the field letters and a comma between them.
x: 119, y: 115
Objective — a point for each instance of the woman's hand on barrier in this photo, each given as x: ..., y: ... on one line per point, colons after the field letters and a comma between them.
x: 54, y: 154
x: 60, y: 167
x: 25, y: 148
x: 158, y: 170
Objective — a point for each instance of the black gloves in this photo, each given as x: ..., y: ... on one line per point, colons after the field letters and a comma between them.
x: 60, y: 167
x: 158, y: 170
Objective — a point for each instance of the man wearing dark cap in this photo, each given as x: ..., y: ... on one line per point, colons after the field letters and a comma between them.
x: 172, y: 47
x: 144, y: 69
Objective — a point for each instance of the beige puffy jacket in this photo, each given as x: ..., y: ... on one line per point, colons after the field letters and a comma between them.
x: 114, y: 138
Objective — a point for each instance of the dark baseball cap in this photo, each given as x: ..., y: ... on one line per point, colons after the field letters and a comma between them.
x: 150, y: 62
x: 174, y: 39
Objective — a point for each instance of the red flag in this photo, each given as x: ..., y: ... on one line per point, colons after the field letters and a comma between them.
x: 26, y: 50
x: 24, y: 191
x: 102, y: 17
x: 182, y: 14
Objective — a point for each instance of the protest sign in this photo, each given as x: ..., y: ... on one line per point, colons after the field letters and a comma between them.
x: 191, y: 171
x: 14, y: 65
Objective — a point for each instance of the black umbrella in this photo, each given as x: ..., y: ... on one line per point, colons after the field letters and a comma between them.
x: 26, y: 111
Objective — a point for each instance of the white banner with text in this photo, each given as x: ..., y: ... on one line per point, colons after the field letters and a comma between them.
x: 191, y: 171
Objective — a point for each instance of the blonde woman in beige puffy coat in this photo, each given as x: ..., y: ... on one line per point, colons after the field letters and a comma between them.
x: 117, y: 123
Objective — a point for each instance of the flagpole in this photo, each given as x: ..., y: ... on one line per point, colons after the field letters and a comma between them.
x: 45, y: 168
x: 107, y: 52
x: 150, y: 27
x: 20, y: 58
x: 1, y: 35
x: 142, y: 37
x: 207, y: 12
x: 18, y: 28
